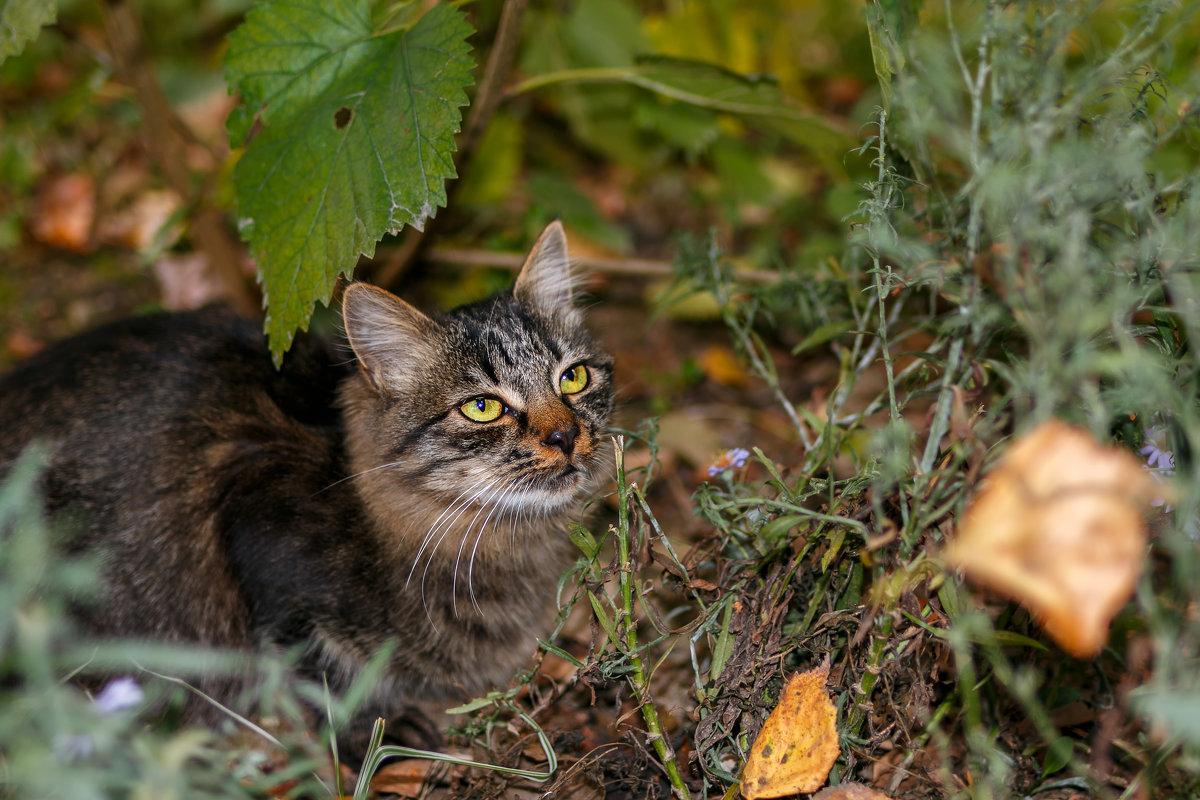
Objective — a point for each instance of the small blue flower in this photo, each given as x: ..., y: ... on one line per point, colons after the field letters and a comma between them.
x: 1158, y: 459
x: 730, y: 459
x: 1159, y: 462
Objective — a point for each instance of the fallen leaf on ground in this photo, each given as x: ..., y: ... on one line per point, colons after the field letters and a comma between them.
x: 1058, y: 527
x: 690, y: 436
x: 850, y: 791
x: 186, y: 281
x: 20, y: 344
x: 144, y: 224
x: 404, y: 778
x: 721, y: 365
x: 798, y: 743
x: 65, y: 209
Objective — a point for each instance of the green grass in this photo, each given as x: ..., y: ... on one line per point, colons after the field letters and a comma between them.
x: 1025, y: 251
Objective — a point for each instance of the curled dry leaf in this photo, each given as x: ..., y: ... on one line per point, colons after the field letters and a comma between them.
x: 1058, y: 527
x: 798, y: 743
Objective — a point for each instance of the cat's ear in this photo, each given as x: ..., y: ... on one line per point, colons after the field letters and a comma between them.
x: 390, y: 337
x: 545, y: 281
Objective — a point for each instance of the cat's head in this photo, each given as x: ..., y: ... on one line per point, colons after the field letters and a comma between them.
x: 502, y: 403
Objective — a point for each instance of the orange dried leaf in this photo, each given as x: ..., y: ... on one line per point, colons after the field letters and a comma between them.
x: 798, y: 743
x: 1058, y: 527
x: 64, y: 211
x: 721, y: 365
x: 850, y: 791
x: 404, y: 778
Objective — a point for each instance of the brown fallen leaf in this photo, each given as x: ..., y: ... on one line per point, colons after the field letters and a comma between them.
x: 690, y: 436
x: 850, y: 791
x: 1058, y: 527
x: 64, y: 211
x: 798, y: 743
x: 404, y: 778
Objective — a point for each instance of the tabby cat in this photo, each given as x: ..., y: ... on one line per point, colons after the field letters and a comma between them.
x: 417, y: 493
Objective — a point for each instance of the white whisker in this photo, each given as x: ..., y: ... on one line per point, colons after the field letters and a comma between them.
x: 437, y: 523
x: 479, y: 537
x: 455, y: 510
x: 359, y: 475
x: 466, y: 533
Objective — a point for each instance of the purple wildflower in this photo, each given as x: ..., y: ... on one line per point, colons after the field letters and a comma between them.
x: 1159, y: 462
x: 730, y: 459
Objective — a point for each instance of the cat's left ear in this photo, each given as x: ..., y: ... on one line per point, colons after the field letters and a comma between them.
x: 545, y: 281
x: 389, y: 337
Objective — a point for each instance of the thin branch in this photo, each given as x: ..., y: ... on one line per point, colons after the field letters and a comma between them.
x: 631, y: 267
x: 167, y: 145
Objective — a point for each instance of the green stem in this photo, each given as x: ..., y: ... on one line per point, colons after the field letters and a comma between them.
x: 878, y: 209
x: 871, y: 674
x: 637, y: 678
x: 649, y: 77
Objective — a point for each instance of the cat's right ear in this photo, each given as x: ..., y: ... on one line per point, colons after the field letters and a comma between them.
x: 545, y: 281
x: 389, y: 337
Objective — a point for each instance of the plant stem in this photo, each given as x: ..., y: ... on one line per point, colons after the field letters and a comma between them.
x: 870, y: 674
x: 637, y: 678
x: 883, y: 200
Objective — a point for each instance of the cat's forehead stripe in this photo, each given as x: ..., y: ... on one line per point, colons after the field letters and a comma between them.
x: 512, y: 339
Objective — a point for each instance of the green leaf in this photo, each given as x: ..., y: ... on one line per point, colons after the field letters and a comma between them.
x: 1058, y: 755
x: 688, y: 127
x: 356, y: 140
x: 723, y: 648
x: 757, y: 99
x: 880, y: 54
x: 603, y: 33
x: 20, y: 21
x: 823, y: 334
x: 773, y: 532
x: 582, y: 538
x: 888, y: 23
x: 558, y: 651
x: 602, y: 617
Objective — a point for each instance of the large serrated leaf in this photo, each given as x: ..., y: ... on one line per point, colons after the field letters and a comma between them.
x: 356, y: 140
x: 20, y: 21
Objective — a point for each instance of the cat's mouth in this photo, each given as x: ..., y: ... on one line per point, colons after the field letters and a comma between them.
x: 549, y: 491
x: 565, y: 480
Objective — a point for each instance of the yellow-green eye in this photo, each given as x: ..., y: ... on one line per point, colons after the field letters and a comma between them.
x: 573, y: 380
x: 482, y: 409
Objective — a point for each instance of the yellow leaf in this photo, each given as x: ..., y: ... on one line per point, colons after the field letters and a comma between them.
x: 721, y: 365
x: 1058, y: 527
x: 798, y: 743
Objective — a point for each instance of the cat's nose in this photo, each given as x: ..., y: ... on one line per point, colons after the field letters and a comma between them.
x: 563, y: 439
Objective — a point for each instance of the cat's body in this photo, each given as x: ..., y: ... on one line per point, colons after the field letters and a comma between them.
x: 419, y: 496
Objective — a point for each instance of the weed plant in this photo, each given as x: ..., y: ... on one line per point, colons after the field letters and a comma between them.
x: 58, y: 740
x: 1026, y: 251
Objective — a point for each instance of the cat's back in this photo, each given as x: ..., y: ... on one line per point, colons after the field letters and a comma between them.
x: 156, y: 433
x: 128, y: 382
